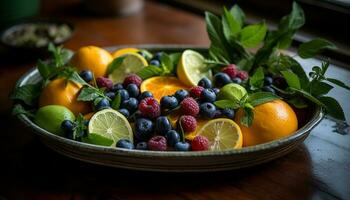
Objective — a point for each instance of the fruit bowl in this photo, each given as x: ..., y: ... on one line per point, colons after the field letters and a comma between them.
x: 169, y: 161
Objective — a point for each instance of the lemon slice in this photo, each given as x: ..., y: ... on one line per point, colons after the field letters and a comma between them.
x: 132, y: 63
x: 191, y: 68
x: 123, y: 51
x: 222, y: 134
x: 111, y: 124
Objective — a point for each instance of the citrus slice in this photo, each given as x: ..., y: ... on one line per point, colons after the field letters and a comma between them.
x: 110, y: 124
x: 222, y: 134
x: 123, y: 51
x: 162, y: 86
x: 132, y: 63
x: 191, y: 68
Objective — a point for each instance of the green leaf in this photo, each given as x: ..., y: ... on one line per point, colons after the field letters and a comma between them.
x: 308, y: 96
x: 333, y: 108
x: 45, y: 69
x: 28, y: 94
x: 294, y: 20
x: 149, y: 71
x: 292, y: 79
x: 238, y: 14
x: 89, y: 94
x: 246, y: 63
x: 298, y: 102
x: 98, y: 139
x: 338, y: 83
x: 166, y: 63
x: 231, y: 27
x: 252, y: 35
x: 116, y: 102
x: 117, y: 62
x: 148, y: 55
x: 18, y: 109
x: 226, y: 104
x: 175, y: 58
x: 299, y: 71
x: 257, y: 80
x: 248, y: 117
x: 261, y: 98
x: 285, y: 41
x: 313, y: 47
x: 80, y: 127
x: 319, y: 88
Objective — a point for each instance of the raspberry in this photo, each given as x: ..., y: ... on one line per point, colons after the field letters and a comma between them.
x: 243, y: 75
x: 200, y: 143
x: 149, y: 107
x: 157, y: 143
x: 189, y: 106
x: 196, y: 91
x: 188, y: 123
x: 104, y: 82
x: 230, y: 70
x: 132, y: 78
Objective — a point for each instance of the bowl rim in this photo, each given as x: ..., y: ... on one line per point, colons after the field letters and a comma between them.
x: 315, y: 119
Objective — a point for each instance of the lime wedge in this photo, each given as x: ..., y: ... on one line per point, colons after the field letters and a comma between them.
x: 191, y: 68
x: 132, y: 63
x: 110, y: 124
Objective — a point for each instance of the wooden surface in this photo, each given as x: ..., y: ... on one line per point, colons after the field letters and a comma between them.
x: 318, y: 169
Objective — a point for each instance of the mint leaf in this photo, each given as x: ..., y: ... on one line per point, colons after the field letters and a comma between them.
x: 98, y: 139
x: 308, y: 96
x: 248, y: 117
x: 313, y: 47
x: 71, y: 75
x: 116, y: 102
x: 149, y: 71
x: 292, y: 79
x: 231, y: 26
x: 80, y: 127
x: 166, y: 63
x: 261, y: 98
x: 338, y: 82
x: 117, y: 62
x: 294, y: 20
x: 246, y: 63
x: 175, y: 58
x: 298, y: 70
x: 333, y: 108
x: 319, y: 88
x: 18, y: 109
x: 298, y: 102
x: 226, y: 104
x: 28, y: 94
x: 252, y: 35
x: 238, y: 14
x: 90, y: 94
x: 148, y: 55
x: 257, y: 80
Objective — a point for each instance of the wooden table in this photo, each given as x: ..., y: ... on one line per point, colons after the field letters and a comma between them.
x: 318, y: 169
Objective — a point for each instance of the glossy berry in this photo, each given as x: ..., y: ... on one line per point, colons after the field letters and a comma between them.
x: 102, y: 104
x: 117, y: 87
x: 142, y: 146
x: 124, y: 95
x: 189, y: 106
x: 145, y: 94
x: 149, y: 107
x: 200, y: 143
x: 125, y: 144
x: 131, y: 104
x: 243, y: 75
x: 104, y: 82
x: 67, y: 126
x: 182, y: 146
x: 237, y: 80
x: 144, y: 129
x: 188, y: 123
x: 157, y: 56
x: 124, y: 112
x: 196, y: 91
x: 132, y: 78
x: 221, y: 79
x: 163, y: 125
x: 268, y: 80
x: 133, y: 90
x: 231, y: 70
x: 154, y: 62
x: 218, y: 113
x: 268, y: 89
x: 168, y: 102
x: 111, y: 95
x: 205, y: 83
x: 157, y: 143
x: 207, y: 110
x: 172, y: 137
x: 208, y: 95
x: 86, y: 75
x: 136, y: 115
x: 216, y: 90
x: 181, y: 94
x: 229, y: 113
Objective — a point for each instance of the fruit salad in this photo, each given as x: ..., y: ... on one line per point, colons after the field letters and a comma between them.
x: 228, y: 97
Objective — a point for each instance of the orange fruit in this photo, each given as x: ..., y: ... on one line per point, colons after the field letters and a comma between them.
x: 62, y: 92
x: 92, y: 58
x: 162, y: 86
x: 123, y: 51
x: 88, y: 115
x: 272, y: 120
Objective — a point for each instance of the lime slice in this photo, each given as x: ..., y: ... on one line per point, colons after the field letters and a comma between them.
x: 50, y: 118
x: 123, y: 51
x: 192, y: 68
x: 222, y: 134
x: 132, y: 63
x: 110, y: 124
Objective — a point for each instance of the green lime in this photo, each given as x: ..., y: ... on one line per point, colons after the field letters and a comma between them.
x: 50, y: 118
x: 110, y: 124
x: 233, y: 92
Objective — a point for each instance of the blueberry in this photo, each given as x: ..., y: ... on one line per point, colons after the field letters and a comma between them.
x: 268, y: 80
x: 103, y: 103
x: 117, y: 87
x: 144, y: 129
x: 205, y: 83
x: 124, y: 95
x: 125, y: 144
x: 218, y: 113
x: 216, y: 90
x: 111, y: 95
x: 157, y: 55
x: 86, y: 75
x: 268, y: 89
x: 229, y: 113
x: 181, y: 94
x: 125, y: 112
x: 168, y: 102
x: 131, y: 104
x: 145, y: 94
x: 67, y: 126
x: 172, y: 137
x: 182, y: 146
x: 221, y: 79
x: 136, y: 115
x: 236, y: 80
x: 142, y: 146
x: 133, y: 90
x: 163, y: 125
x: 280, y: 82
x: 154, y: 62
x: 207, y: 110
x: 208, y: 95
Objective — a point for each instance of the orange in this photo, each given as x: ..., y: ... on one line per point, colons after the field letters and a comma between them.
x: 61, y: 92
x: 162, y: 86
x: 123, y: 51
x: 92, y: 58
x: 272, y: 120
